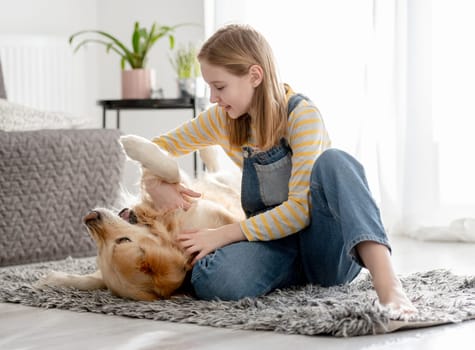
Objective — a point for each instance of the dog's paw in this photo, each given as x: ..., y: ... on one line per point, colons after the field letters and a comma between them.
x: 135, y: 146
x: 209, y: 156
x: 151, y: 157
x: 52, y: 279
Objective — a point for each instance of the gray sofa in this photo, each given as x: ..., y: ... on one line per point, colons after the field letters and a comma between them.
x: 49, y: 179
x: 3, y: 92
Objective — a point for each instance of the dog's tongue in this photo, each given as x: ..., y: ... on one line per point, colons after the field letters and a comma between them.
x: 93, y: 215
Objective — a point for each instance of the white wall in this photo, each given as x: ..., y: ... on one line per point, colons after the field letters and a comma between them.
x: 64, y: 17
x: 118, y: 18
x: 56, y: 19
x: 52, y: 17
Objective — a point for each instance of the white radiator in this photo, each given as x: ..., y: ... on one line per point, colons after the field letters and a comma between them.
x: 43, y: 72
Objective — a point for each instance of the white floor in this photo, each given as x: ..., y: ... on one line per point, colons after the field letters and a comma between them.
x: 33, y: 328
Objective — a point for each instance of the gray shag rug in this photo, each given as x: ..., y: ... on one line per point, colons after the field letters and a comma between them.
x: 440, y: 296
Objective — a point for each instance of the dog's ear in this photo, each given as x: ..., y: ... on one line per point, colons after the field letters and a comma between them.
x: 166, y: 268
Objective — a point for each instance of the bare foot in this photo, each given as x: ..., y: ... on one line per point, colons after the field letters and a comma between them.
x: 391, y: 296
x: 388, y: 287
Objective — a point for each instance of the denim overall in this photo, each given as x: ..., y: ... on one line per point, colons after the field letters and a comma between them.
x: 265, y: 175
x: 343, y: 214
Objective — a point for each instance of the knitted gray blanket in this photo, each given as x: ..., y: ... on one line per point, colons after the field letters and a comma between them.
x: 49, y: 179
x: 350, y: 310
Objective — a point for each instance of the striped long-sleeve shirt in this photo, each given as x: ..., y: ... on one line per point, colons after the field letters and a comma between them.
x: 307, y: 138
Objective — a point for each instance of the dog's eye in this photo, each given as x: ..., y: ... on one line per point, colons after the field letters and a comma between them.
x: 123, y: 240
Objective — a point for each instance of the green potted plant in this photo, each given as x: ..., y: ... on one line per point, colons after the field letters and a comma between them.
x: 187, y: 68
x: 137, y: 81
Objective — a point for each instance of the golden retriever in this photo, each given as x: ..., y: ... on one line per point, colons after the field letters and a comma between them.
x: 137, y: 254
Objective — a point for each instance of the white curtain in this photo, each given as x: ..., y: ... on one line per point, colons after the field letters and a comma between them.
x: 394, y: 80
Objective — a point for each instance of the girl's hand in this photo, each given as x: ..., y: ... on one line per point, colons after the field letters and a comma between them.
x: 199, y: 243
x: 167, y: 196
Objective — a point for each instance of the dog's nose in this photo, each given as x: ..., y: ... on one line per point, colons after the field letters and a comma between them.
x: 128, y: 215
x: 124, y: 214
x: 92, y: 216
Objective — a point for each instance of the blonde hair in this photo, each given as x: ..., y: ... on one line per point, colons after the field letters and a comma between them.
x: 236, y: 48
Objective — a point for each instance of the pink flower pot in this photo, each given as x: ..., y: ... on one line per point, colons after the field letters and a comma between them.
x: 137, y: 83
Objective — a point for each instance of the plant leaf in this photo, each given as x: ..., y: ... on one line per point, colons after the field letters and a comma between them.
x: 171, y: 41
x: 136, y: 37
x: 101, y: 33
x: 142, y: 42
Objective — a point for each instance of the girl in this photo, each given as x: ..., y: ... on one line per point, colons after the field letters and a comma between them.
x: 310, y: 214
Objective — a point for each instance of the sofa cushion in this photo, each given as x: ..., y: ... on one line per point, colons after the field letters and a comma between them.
x: 16, y: 117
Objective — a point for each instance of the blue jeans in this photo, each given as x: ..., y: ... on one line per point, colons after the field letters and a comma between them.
x: 343, y: 214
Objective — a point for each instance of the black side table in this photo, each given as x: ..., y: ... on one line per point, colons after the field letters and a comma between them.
x: 160, y: 103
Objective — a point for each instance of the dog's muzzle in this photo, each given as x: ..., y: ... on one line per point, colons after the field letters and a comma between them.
x: 128, y: 215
